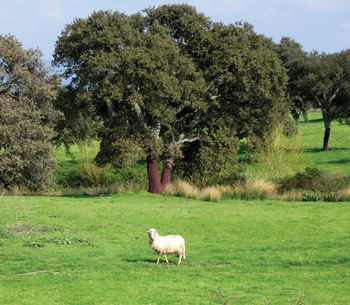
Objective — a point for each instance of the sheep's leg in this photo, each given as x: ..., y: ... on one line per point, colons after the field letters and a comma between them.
x: 180, y: 257
x: 158, y: 259
x: 167, y: 262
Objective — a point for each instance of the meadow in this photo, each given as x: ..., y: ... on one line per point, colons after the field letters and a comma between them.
x: 93, y: 249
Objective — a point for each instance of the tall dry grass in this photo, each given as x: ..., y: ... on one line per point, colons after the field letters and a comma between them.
x: 210, y: 193
x: 182, y: 189
x: 342, y: 195
x: 251, y: 190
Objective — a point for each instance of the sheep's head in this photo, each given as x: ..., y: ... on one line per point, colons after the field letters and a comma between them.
x: 152, y: 234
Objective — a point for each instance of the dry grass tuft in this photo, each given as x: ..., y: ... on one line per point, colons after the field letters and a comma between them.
x: 252, y: 189
x: 211, y: 193
x: 182, y: 189
x: 290, y: 196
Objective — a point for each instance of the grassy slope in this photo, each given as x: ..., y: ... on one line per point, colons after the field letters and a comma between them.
x: 237, y: 252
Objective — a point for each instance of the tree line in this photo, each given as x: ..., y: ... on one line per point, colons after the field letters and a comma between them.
x: 167, y: 81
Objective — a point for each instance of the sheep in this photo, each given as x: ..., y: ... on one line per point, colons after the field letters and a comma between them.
x: 170, y: 244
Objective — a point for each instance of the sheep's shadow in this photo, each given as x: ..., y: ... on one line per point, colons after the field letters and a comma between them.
x: 144, y: 260
x: 147, y: 260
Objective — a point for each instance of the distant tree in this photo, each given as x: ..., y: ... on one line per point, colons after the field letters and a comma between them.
x: 171, y: 81
x: 27, y: 116
x: 327, y: 85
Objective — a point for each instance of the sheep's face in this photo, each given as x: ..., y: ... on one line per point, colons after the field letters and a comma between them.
x: 152, y: 234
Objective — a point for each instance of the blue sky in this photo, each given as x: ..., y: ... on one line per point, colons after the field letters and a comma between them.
x: 322, y: 25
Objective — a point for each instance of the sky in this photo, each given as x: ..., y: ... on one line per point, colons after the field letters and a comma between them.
x: 321, y: 25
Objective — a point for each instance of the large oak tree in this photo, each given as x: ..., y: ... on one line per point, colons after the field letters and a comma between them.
x: 173, y: 82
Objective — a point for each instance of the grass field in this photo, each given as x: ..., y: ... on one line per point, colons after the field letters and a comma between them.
x: 94, y: 250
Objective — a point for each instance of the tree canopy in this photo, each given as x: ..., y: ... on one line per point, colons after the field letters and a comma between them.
x: 294, y: 60
x: 171, y: 81
x: 317, y: 80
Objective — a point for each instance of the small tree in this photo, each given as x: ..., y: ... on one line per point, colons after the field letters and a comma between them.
x: 26, y: 117
x: 327, y: 85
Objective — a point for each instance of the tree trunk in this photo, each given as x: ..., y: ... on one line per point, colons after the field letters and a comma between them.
x: 327, y: 125
x: 327, y: 133
x: 157, y: 185
x: 166, y: 175
x: 154, y: 183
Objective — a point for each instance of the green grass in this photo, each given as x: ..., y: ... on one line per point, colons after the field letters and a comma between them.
x: 335, y: 160
x: 94, y: 250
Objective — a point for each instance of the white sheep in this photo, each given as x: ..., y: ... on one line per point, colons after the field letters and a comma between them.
x: 170, y: 244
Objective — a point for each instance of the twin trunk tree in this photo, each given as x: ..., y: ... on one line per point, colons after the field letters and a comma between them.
x: 157, y: 184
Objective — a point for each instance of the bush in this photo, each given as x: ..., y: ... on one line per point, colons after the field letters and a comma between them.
x: 282, y: 157
x: 315, y: 180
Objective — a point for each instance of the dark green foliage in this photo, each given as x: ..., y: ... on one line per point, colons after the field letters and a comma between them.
x: 27, y: 117
x: 315, y: 180
x: 294, y: 59
x: 212, y: 160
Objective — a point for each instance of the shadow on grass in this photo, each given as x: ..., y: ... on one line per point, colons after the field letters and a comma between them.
x: 152, y: 261
x: 144, y: 260
x: 343, y: 161
x: 316, y: 150
x: 312, y: 121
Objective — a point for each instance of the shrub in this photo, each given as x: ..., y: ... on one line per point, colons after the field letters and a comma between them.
x: 93, y: 175
x: 281, y: 157
x: 315, y: 180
